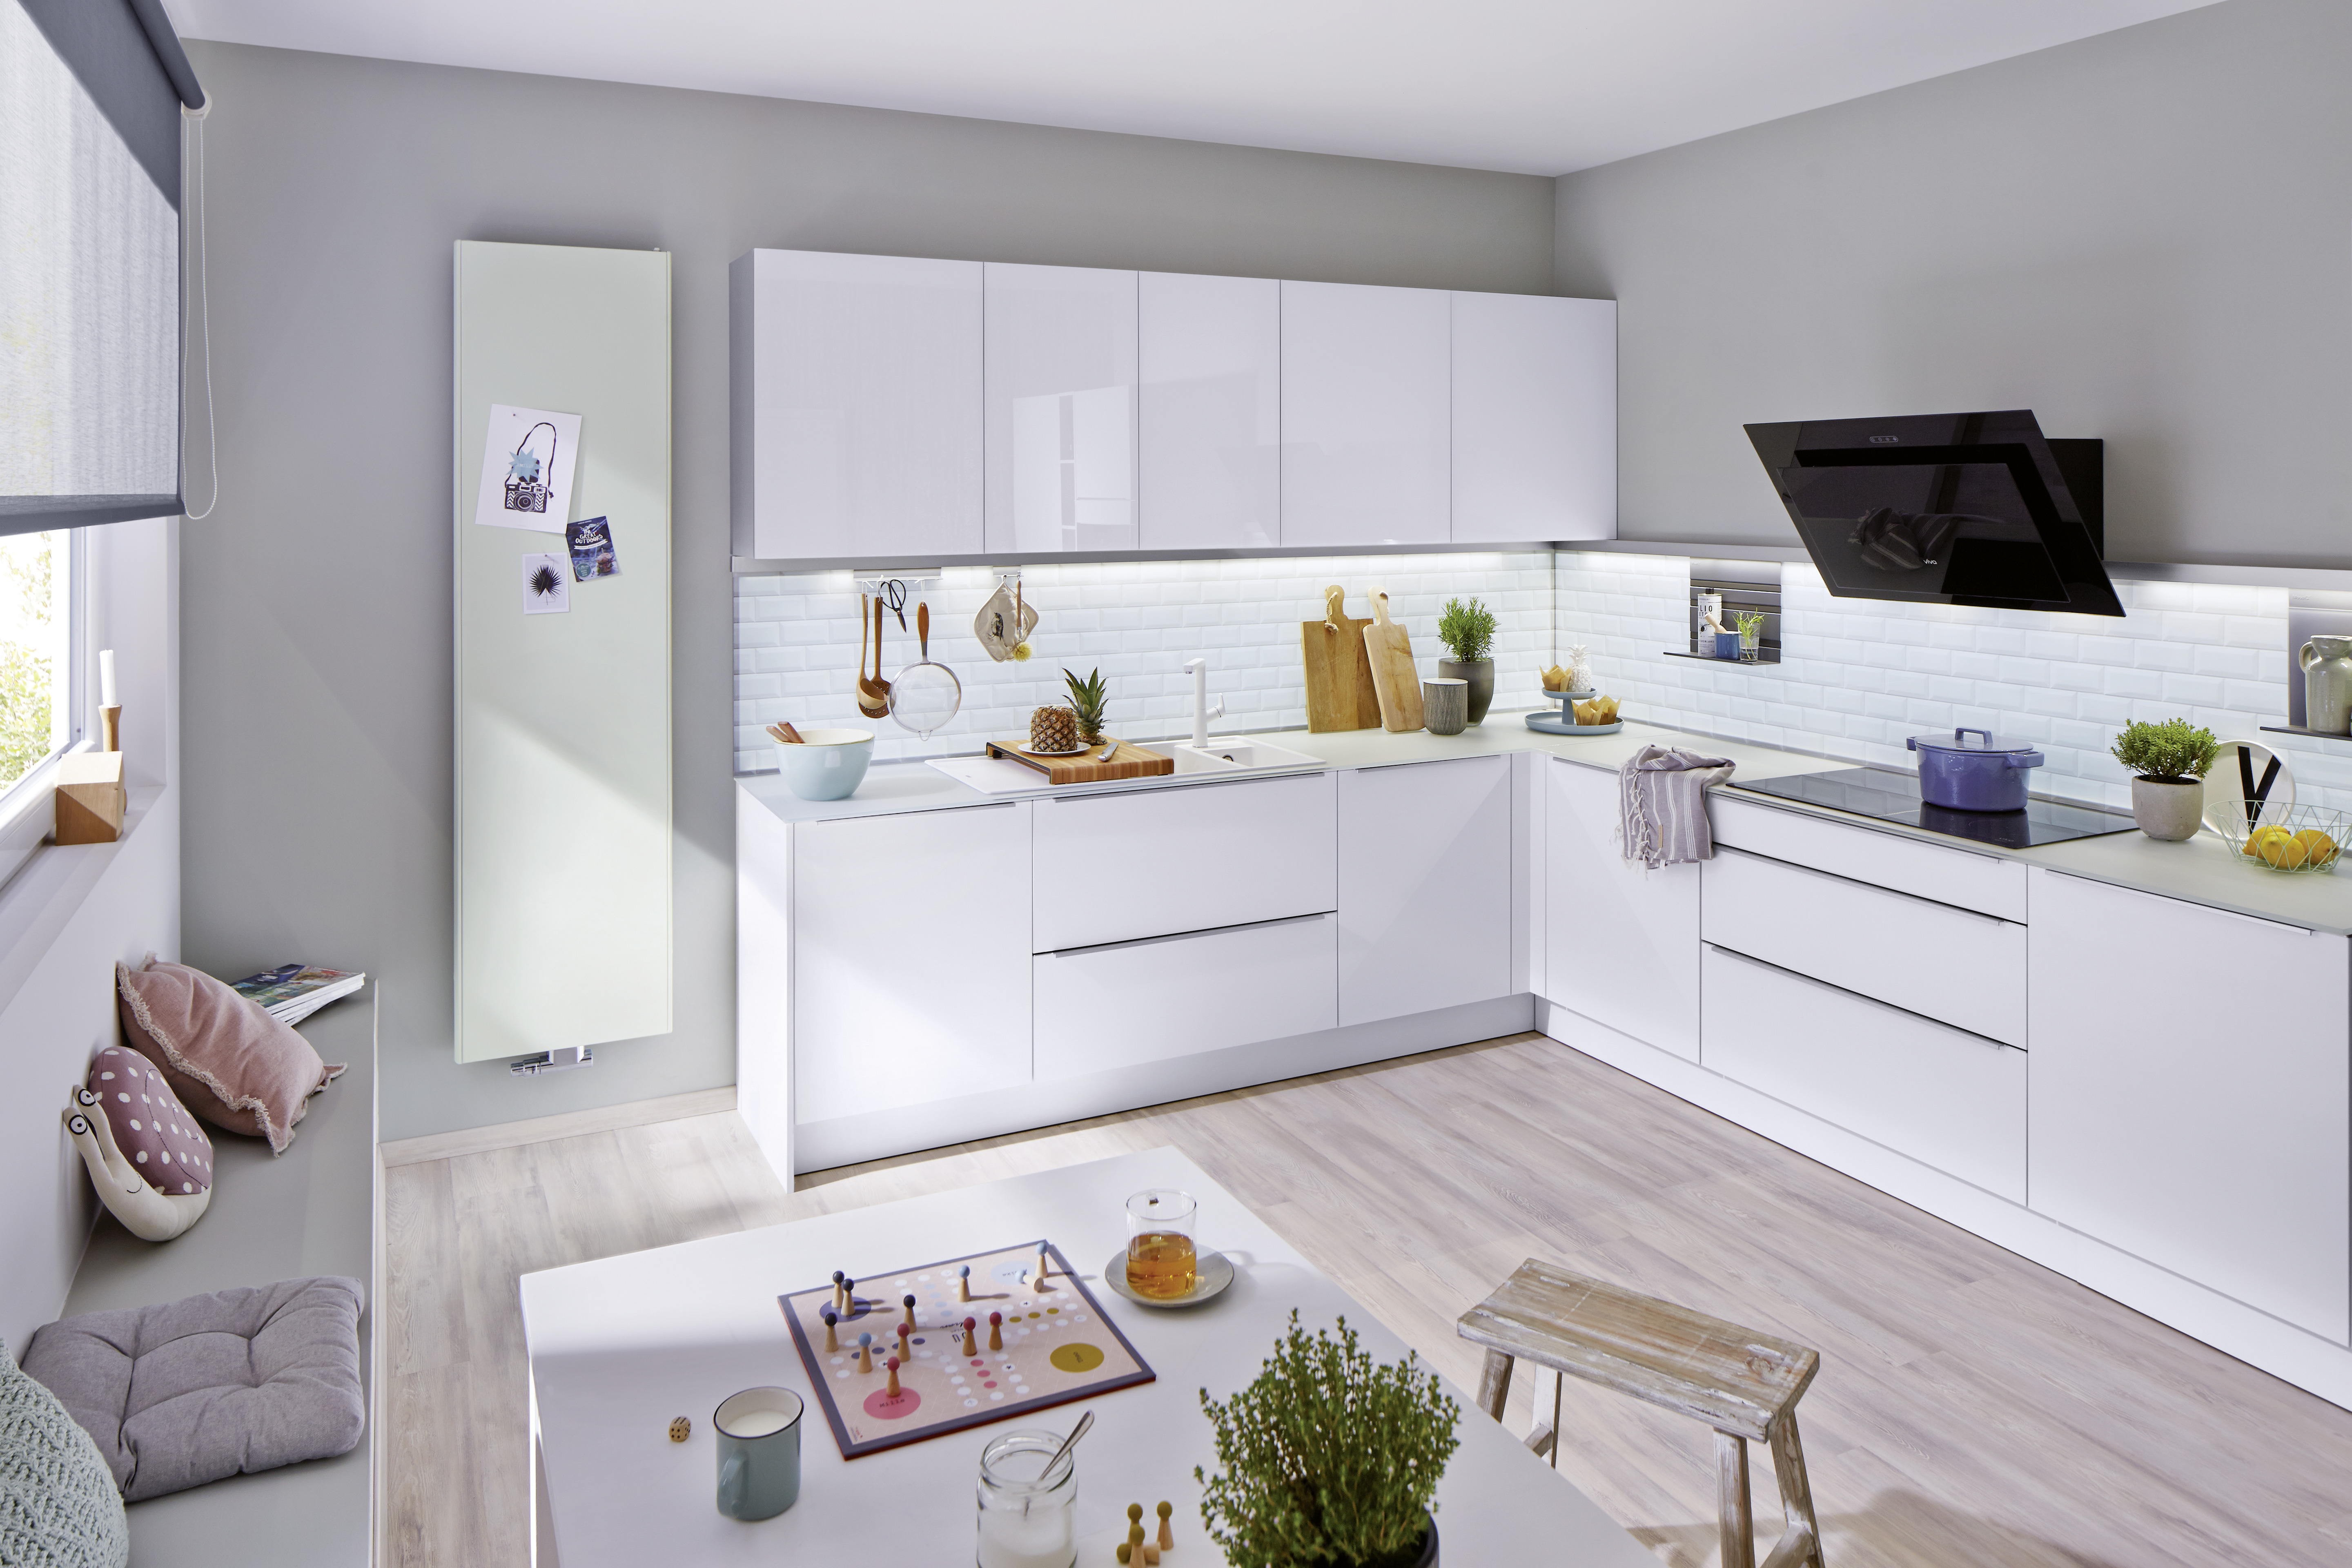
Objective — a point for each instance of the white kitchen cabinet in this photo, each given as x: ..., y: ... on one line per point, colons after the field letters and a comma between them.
x: 857, y: 406
x: 1946, y: 1099
x: 1210, y: 359
x: 1622, y: 942
x: 910, y: 959
x: 1121, y: 865
x: 1059, y: 409
x: 1130, y: 1003
x: 1535, y: 418
x: 1367, y: 414
x: 2191, y: 1098
x: 1942, y: 962
x: 1424, y: 887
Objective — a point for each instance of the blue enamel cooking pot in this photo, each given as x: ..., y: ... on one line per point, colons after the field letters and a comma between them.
x: 1979, y: 774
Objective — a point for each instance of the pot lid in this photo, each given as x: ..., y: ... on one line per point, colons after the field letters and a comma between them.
x: 1968, y: 739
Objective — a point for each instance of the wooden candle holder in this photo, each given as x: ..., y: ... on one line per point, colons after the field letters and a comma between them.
x: 90, y: 798
x: 111, y: 720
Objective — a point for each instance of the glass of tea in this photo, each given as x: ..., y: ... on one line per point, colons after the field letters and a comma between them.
x: 1160, y: 1261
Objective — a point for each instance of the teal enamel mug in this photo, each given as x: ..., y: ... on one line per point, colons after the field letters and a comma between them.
x: 758, y: 1452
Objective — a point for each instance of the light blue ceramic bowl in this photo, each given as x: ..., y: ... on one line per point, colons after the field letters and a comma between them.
x: 828, y: 765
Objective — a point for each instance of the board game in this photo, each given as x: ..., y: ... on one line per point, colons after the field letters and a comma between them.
x: 1028, y: 1348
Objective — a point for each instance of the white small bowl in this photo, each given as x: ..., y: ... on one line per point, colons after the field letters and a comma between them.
x: 828, y: 765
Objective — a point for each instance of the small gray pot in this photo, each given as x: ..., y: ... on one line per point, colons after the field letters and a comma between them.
x: 1445, y: 705
x: 1480, y: 674
x: 2169, y: 809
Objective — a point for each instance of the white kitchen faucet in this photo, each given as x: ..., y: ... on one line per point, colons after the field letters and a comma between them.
x: 1202, y: 711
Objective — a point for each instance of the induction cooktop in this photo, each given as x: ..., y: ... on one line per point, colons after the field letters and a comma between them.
x: 1892, y: 796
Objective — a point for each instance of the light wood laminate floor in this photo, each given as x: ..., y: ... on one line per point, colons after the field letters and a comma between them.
x: 1973, y: 1408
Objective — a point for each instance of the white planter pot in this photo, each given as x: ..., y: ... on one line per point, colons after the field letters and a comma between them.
x: 2169, y: 809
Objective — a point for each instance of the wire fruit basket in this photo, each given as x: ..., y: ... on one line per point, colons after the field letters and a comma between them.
x: 2297, y: 839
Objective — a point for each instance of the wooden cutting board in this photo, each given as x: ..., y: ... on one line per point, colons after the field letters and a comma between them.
x: 1127, y: 763
x: 1394, y: 678
x: 1340, y: 693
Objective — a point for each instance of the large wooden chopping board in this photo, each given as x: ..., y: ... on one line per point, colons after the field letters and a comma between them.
x: 1394, y: 678
x: 1339, y: 694
x: 1128, y: 763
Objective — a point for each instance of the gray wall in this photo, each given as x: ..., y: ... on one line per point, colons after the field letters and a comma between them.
x: 317, y: 597
x: 2145, y: 236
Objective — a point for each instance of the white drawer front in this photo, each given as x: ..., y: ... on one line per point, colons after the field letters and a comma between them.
x: 1947, y: 1099
x: 1117, y: 1006
x: 1951, y: 964
x: 1986, y: 883
x: 1113, y: 868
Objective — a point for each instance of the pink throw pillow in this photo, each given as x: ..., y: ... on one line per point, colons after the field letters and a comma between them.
x: 155, y: 1131
x: 226, y: 1058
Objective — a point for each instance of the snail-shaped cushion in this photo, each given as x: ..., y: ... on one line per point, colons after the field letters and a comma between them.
x: 148, y: 1157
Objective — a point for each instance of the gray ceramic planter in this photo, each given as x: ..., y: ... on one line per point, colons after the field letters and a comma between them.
x: 2169, y: 809
x: 1480, y: 674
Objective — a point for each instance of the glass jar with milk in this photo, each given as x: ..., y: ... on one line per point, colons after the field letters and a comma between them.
x: 1028, y: 1502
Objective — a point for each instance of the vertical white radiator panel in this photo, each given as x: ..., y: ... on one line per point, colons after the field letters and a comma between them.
x: 563, y: 728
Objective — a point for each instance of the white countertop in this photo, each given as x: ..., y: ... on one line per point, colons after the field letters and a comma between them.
x: 2202, y: 870
x: 620, y: 1345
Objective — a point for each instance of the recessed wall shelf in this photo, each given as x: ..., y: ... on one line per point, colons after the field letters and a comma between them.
x: 1763, y: 655
x: 2306, y: 729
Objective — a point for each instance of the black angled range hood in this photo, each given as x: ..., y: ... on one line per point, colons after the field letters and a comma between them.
x: 1947, y: 509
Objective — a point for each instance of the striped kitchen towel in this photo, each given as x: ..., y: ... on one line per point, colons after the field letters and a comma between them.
x: 1663, y: 797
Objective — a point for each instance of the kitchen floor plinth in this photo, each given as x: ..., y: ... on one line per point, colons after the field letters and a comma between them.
x: 1972, y: 1407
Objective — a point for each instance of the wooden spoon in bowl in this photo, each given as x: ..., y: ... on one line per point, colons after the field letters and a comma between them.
x: 874, y: 694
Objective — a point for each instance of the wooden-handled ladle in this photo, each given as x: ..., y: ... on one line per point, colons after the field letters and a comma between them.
x: 873, y: 694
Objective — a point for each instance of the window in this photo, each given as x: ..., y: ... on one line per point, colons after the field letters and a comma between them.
x: 37, y: 626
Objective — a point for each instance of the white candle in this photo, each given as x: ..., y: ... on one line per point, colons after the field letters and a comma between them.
x: 106, y: 677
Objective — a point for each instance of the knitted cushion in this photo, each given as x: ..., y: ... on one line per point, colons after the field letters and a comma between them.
x: 58, y: 1508
x: 200, y: 1389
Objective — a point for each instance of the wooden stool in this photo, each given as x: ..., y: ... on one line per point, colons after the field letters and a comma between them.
x: 1742, y: 1384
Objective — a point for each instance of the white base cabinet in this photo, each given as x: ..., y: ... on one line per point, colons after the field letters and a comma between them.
x: 910, y: 958
x: 1621, y: 942
x: 1135, y: 1002
x: 1424, y: 887
x: 1946, y: 1099
x: 2192, y: 1096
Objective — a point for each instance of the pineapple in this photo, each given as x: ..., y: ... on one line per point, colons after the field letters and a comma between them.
x: 1087, y: 699
x: 1053, y: 730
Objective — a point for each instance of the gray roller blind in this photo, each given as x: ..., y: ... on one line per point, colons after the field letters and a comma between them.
x: 89, y: 267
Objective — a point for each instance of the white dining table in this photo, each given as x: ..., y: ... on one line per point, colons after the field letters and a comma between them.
x: 620, y: 1346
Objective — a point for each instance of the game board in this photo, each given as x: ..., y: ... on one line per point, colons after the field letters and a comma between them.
x: 1058, y: 1345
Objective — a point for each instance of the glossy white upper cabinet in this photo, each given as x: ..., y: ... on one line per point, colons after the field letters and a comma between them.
x: 857, y: 405
x: 1366, y: 414
x: 1535, y: 418
x: 1059, y: 409
x: 1210, y: 358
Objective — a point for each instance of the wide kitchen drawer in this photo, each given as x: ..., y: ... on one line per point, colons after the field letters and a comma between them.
x: 1954, y: 965
x: 1986, y: 883
x: 1946, y: 1099
x: 1135, y: 1002
x: 1154, y: 862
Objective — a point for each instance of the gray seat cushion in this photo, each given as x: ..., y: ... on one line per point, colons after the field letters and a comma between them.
x: 200, y: 1389
x: 58, y: 1504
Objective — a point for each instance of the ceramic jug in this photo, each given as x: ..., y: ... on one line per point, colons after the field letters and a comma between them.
x: 2327, y: 684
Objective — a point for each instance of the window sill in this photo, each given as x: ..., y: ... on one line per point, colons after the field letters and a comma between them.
x: 43, y: 898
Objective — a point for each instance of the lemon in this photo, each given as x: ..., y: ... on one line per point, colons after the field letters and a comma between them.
x: 2261, y: 844
x: 2288, y: 855
x: 2318, y: 848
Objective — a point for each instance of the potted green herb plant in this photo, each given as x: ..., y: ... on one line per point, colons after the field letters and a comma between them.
x: 2168, y: 762
x: 1468, y: 631
x: 1328, y: 1459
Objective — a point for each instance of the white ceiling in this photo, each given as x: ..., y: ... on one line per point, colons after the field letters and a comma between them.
x: 1535, y: 86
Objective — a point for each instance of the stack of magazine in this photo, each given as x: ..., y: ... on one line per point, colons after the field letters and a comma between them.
x: 293, y: 993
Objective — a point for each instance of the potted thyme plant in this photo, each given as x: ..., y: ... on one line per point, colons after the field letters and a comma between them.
x: 1328, y: 1459
x: 1468, y: 631
x: 2168, y: 762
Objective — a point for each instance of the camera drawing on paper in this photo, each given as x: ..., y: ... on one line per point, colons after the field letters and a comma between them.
x: 527, y: 463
